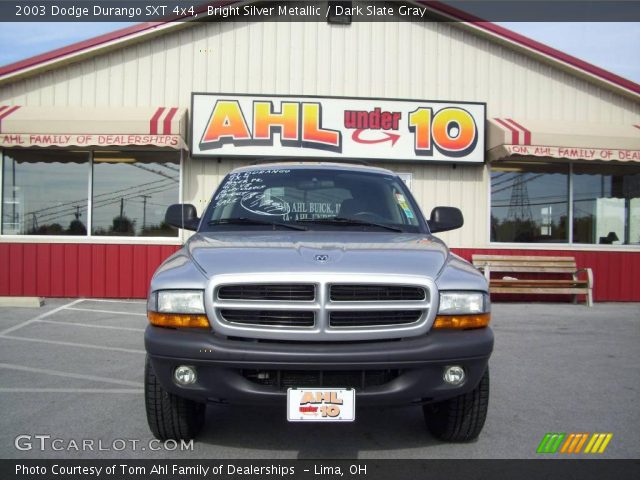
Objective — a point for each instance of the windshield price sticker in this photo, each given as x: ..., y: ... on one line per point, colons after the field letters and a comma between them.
x: 404, y: 205
x: 323, y: 127
x: 321, y: 405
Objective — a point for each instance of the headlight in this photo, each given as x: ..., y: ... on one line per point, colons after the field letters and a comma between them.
x: 180, y: 301
x: 463, y: 303
x: 177, y: 309
x: 463, y: 311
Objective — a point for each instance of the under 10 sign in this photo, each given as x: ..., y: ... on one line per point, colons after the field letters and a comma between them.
x: 330, y: 127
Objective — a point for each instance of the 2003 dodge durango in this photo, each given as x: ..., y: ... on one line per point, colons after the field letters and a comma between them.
x: 316, y: 286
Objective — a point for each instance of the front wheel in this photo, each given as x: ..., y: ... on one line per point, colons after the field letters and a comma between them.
x: 170, y: 416
x: 460, y: 418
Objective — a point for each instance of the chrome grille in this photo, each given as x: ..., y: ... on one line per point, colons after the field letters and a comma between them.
x: 343, y: 307
x: 269, y: 317
x: 362, y: 293
x: 268, y: 291
x: 372, y: 318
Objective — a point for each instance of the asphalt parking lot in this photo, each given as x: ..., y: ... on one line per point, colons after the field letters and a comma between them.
x: 73, y: 370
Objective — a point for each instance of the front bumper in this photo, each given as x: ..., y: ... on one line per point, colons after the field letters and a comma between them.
x: 220, y: 363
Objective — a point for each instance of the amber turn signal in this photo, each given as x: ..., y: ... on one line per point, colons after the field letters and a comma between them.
x: 462, y: 322
x: 178, y: 320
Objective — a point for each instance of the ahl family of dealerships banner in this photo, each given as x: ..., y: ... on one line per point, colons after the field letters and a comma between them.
x: 330, y: 127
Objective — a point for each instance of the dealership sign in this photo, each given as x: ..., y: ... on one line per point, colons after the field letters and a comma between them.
x: 330, y: 127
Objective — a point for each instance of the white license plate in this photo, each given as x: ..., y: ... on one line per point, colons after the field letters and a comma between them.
x: 321, y: 405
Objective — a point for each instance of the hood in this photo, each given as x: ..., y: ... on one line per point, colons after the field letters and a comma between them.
x: 313, y: 251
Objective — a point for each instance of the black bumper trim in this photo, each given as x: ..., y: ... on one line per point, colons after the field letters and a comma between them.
x: 219, y: 363
x: 206, y: 346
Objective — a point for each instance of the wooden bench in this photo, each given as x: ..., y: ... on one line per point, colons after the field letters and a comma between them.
x: 540, y: 265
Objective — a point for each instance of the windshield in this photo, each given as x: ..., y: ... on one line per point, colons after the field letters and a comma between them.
x: 312, y: 199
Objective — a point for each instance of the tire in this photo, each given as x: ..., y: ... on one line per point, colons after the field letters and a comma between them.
x: 170, y: 416
x: 460, y: 419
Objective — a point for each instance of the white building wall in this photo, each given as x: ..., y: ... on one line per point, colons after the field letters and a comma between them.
x: 434, y: 61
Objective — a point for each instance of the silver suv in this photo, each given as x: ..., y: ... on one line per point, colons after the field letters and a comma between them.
x: 316, y: 286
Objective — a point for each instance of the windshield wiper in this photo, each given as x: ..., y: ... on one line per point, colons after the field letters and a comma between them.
x: 348, y: 221
x: 254, y: 221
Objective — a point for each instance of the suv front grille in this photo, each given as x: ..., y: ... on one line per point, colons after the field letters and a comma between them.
x: 366, y: 293
x: 373, y: 318
x: 358, y: 379
x: 280, y: 318
x: 321, y: 306
x: 270, y: 291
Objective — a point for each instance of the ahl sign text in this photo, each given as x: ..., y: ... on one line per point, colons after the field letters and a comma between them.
x: 330, y: 127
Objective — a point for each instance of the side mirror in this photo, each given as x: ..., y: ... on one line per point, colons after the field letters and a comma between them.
x: 444, y: 219
x: 182, y: 215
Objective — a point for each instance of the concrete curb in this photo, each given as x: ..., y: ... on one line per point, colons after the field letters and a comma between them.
x: 26, y: 302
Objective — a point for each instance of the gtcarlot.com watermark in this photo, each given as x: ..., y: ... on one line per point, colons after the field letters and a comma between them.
x: 47, y: 443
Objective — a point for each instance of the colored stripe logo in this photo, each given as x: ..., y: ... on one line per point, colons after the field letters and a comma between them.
x: 550, y: 442
x: 598, y: 443
x: 572, y: 443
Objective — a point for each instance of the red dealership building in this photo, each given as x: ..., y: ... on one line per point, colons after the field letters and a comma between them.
x: 98, y: 138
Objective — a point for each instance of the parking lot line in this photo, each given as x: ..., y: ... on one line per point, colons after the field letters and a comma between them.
x: 71, y: 344
x: 130, y: 329
x: 105, y: 311
x: 72, y: 390
x: 57, y: 373
x: 39, y: 317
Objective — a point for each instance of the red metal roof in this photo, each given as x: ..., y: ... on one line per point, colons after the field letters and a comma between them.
x: 76, y: 47
x: 533, y: 45
x: 436, y: 6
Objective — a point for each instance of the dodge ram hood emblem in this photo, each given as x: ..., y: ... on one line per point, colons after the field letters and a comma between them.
x: 321, y: 258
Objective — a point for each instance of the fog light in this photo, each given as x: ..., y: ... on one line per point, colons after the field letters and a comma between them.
x: 454, y: 375
x: 185, y: 375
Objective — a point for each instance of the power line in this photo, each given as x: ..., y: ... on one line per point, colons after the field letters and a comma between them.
x: 104, y: 202
x: 85, y: 199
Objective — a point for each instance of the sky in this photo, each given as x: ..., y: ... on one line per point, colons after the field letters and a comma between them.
x: 612, y: 46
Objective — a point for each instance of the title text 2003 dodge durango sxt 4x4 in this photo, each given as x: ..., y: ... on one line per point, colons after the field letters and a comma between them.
x: 317, y: 286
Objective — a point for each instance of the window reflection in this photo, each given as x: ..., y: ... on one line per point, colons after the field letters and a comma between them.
x: 529, y: 202
x: 131, y: 192
x: 606, y: 204
x: 44, y: 192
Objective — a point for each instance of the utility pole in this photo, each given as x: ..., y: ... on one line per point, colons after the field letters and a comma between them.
x: 519, y: 213
x: 144, y: 210
x: 519, y: 205
x: 121, y: 207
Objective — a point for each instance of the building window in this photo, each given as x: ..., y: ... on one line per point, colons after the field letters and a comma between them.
x: 536, y: 202
x: 131, y: 193
x: 44, y: 192
x: 61, y: 192
x: 530, y: 203
x: 606, y: 204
